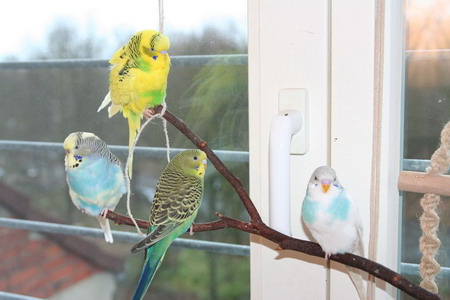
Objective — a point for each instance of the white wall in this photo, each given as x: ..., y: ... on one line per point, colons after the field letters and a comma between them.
x: 287, y: 49
x: 327, y: 49
x: 98, y: 286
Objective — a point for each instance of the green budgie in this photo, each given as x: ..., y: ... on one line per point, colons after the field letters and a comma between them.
x: 178, y: 196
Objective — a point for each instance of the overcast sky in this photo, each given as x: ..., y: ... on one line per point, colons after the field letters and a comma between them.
x: 24, y: 24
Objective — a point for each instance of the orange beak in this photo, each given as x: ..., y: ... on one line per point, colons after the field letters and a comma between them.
x: 325, y: 185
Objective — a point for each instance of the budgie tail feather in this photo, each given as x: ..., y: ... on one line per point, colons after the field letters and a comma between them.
x: 152, y: 262
x: 104, y: 224
x: 134, y: 123
x: 355, y: 274
x: 105, y: 102
x: 113, y: 109
x: 357, y: 280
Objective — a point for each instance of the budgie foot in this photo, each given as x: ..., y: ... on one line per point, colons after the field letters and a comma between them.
x: 191, y: 230
x: 149, y: 113
x: 83, y: 211
x: 104, y: 212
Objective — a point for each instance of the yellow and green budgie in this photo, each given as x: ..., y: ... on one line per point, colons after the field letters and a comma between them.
x: 177, y: 199
x: 138, y: 79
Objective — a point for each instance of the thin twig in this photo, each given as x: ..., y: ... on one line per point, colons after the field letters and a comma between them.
x: 212, y: 157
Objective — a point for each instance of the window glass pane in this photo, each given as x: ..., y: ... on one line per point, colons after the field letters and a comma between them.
x: 427, y: 110
x: 45, y: 102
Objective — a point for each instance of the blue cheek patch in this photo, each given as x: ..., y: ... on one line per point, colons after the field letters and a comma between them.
x: 340, y: 207
x: 77, y: 157
x: 309, y: 210
x: 155, y: 57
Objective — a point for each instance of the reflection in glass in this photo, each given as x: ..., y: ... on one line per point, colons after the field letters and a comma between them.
x: 427, y: 110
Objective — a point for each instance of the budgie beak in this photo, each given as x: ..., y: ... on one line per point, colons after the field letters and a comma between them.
x: 201, y: 168
x: 325, y: 185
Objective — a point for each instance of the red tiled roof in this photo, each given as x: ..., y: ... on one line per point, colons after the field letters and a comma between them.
x: 38, y: 267
x: 41, y: 265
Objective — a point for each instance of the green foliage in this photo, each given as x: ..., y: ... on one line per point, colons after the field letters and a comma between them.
x: 220, y: 95
x: 202, y: 275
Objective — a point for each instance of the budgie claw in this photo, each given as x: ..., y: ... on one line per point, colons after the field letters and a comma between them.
x: 149, y: 113
x: 191, y: 230
x: 104, y: 212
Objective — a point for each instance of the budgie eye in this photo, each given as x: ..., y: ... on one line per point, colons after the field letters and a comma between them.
x: 315, y: 178
x: 195, y: 157
x: 76, y: 147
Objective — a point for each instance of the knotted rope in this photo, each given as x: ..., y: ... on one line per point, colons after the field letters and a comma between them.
x: 429, y: 221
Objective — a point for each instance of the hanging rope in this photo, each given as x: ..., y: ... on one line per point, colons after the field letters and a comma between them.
x: 164, y: 121
x: 127, y: 174
x: 166, y: 133
x: 376, y: 140
x: 161, y: 15
x: 429, y: 242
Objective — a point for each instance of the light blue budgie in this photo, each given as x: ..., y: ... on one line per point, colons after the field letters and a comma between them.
x: 332, y: 217
x: 95, y: 177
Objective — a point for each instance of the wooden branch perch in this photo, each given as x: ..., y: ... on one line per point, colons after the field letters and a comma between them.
x: 424, y: 183
x: 258, y: 227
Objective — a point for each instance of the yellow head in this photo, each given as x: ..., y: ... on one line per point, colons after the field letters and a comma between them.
x: 191, y: 162
x: 75, y: 148
x: 153, y: 41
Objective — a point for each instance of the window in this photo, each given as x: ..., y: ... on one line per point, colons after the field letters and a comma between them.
x: 54, y: 76
x: 426, y: 111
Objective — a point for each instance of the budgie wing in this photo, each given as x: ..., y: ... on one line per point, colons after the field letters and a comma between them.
x: 122, y: 83
x: 170, y: 209
x: 359, y: 247
x: 176, y: 204
x: 355, y: 274
x: 120, y: 56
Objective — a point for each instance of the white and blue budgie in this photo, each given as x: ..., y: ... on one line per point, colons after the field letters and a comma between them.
x: 332, y: 217
x: 95, y: 177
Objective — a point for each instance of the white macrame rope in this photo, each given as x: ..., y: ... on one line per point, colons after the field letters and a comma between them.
x: 164, y: 121
x: 161, y: 15
x: 376, y: 140
x: 166, y: 133
x: 127, y: 174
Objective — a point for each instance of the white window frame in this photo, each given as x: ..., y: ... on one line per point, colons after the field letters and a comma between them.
x: 328, y: 48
